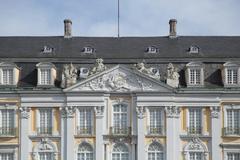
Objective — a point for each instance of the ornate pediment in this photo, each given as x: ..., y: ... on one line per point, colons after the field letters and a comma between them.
x: 119, y: 79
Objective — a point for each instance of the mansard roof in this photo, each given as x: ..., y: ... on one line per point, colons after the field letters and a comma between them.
x: 120, y: 48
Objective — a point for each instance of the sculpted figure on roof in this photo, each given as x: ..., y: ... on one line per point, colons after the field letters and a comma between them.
x: 69, y: 75
x: 151, y: 72
x: 99, y: 67
x: 172, y: 76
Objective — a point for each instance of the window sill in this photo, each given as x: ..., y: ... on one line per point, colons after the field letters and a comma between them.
x: 8, y: 136
x: 84, y: 136
x: 155, y: 135
x: 231, y: 136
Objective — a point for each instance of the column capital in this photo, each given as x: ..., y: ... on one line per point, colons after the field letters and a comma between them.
x: 68, y: 111
x: 215, y: 110
x: 172, y: 111
x: 99, y: 110
x: 140, y: 111
x: 24, y: 112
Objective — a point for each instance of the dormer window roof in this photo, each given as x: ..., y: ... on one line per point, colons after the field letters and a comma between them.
x: 9, y: 74
x: 47, y: 49
x: 194, y: 49
x: 88, y: 50
x: 151, y: 49
x: 194, y: 74
x: 231, y: 74
x: 46, y: 73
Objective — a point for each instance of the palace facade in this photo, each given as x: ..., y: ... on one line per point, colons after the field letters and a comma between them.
x: 127, y: 98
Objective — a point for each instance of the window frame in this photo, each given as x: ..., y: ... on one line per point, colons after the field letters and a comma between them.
x: 15, y: 73
x: 162, y: 121
x: 230, y: 107
x: 89, y: 145
x: 122, y: 144
x: 162, y: 150
x: 46, y: 66
x: 78, y: 123
x: 194, y: 66
x: 230, y: 66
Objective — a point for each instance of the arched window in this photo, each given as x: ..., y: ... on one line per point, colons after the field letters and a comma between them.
x: 120, y: 152
x: 155, y: 152
x: 85, y: 152
x: 120, y: 119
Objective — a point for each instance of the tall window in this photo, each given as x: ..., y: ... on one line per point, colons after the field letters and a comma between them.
x: 155, y: 152
x: 45, y: 76
x: 45, y: 156
x: 120, y: 152
x: 195, y: 76
x: 232, y: 76
x: 195, y: 121
x: 7, y: 122
x: 7, y: 76
x: 156, y: 124
x: 85, y: 152
x: 6, y: 156
x: 196, y: 156
x: 45, y: 121
x: 233, y: 156
x: 233, y: 121
x: 84, y: 121
x: 120, y: 119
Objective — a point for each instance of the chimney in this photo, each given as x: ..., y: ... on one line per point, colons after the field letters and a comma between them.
x: 173, y: 28
x: 67, y: 28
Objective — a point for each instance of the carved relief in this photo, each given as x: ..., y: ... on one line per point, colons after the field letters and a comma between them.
x: 68, y: 111
x: 140, y: 111
x: 99, y: 110
x: 69, y: 76
x: 151, y: 72
x: 99, y: 67
x: 24, y: 111
x: 172, y: 76
x: 172, y: 111
x: 215, y: 111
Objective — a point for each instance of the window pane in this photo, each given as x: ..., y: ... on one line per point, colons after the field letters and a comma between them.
x: 45, y: 121
x: 45, y: 76
x: 6, y: 156
x: 8, y: 76
x: 7, y: 122
x: 195, y: 121
x: 85, y: 120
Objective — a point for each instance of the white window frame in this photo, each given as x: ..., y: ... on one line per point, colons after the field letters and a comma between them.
x: 194, y: 66
x: 44, y: 146
x: 161, y: 109
x: 38, y: 119
x: 230, y: 107
x: 78, y: 119
x: 46, y: 66
x: 126, y: 145
x: 230, y: 66
x: 85, y: 143
x: 10, y: 150
x: 163, y: 151
x: 15, y: 71
x: 202, y: 119
x: 230, y: 149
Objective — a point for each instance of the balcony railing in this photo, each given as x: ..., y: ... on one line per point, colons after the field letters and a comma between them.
x: 194, y: 130
x: 231, y: 131
x: 88, y: 130
x: 44, y: 130
x: 156, y: 130
x: 7, y: 131
x: 120, y: 130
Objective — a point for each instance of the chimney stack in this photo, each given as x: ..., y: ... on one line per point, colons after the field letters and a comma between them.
x: 67, y: 28
x: 173, y: 28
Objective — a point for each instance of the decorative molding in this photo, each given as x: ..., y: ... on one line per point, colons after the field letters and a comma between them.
x: 69, y: 75
x: 172, y: 76
x: 215, y: 111
x: 68, y: 111
x: 151, y: 72
x: 140, y: 111
x: 24, y: 111
x: 99, y: 67
x: 172, y: 111
x: 99, y: 110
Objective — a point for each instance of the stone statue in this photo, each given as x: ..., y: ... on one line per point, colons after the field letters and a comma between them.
x: 99, y: 67
x: 151, y: 72
x: 69, y: 75
x: 172, y: 76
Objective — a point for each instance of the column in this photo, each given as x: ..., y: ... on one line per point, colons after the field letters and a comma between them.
x: 99, y: 110
x: 140, y: 133
x: 24, y: 133
x: 216, y: 131
x: 67, y: 132
x: 173, y: 133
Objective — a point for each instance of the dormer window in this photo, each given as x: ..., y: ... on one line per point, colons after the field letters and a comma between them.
x: 46, y: 74
x: 152, y: 49
x: 194, y: 49
x: 47, y: 49
x: 230, y: 74
x: 9, y: 74
x: 88, y: 50
x: 194, y: 74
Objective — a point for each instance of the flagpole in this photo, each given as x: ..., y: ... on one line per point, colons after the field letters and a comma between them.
x: 118, y: 20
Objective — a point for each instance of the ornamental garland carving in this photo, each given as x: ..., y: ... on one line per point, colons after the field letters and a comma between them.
x: 68, y: 111
x: 172, y: 111
x: 140, y: 111
x: 24, y: 111
x: 215, y: 111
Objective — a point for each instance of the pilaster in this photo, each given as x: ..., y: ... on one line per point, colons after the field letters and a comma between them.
x: 24, y: 132
x: 172, y: 132
x: 67, y: 132
x: 140, y: 133
x: 99, y: 114
x: 216, y: 125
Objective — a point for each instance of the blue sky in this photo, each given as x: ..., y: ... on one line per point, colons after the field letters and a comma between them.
x: 137, y: 17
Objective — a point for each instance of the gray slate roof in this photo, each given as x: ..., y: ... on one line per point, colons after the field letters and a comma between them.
x: 120, y: 48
